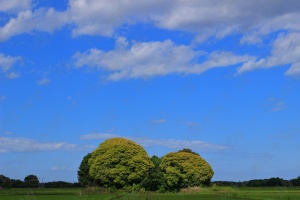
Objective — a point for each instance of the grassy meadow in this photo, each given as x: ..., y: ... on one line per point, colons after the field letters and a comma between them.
x: 222, y: 193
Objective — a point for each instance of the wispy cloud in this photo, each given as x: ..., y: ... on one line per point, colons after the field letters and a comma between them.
x: 180, y: 144
x: 191, y: 124
x: 2, y: 98
x: 10, y: 144
x: 12, y: 75
x: 168, y: 143
x: 278, y: 106
x: 159, y: 121
x: 92, y: 136
x: 44, y: 81
x: 7, y: 64
x: 294, y: 70
x: 285, y: 51
x: 275, y: 104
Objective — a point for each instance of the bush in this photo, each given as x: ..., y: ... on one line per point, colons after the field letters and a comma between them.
x: 214, y: 187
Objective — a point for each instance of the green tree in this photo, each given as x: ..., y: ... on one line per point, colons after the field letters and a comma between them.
x: 189, y: 151
x: 155, y: 179
x: 31, y: 180
x: 296, y: 181
x: 5, y: 182
x: 83, y: 175
x: 119, y: 163
x: 185, y: 169
x: 16, y: 183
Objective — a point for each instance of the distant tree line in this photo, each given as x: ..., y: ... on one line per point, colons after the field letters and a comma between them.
x: 271, y: 182
x: 31, y: 181
x: 152, y: 182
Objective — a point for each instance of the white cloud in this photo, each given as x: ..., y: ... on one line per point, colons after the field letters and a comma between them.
x: 168, y: 143
x: 225, y: 17
x: 14, y: 5
x: 180, y: 144
x: 30, y: 145
x: 44, y: 81
x: 88, y: 17
x: 7, y: 64
x: 148, y: 59
x: 47, y: 20
x: 275, y: 105
x: 251, y: 39
x: 101, y: 17
x: 285, y: 51
x: 294, y: 70
x: 159, y: 121
x: 206, y: 18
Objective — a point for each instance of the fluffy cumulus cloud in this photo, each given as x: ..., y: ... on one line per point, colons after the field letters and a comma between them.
x: 89, y: 17
x: 43, y: 19
x: 251, y: 21
x: 147, y: 59
x: 204, y: 17
x: 221, y: 18
x: 102, y: 17
x: 14, y: 5
x: 30, y: 145
x: 168, y: 143
x: 7, y: 64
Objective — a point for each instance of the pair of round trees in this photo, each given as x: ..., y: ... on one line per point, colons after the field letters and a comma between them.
x: 120, y: 163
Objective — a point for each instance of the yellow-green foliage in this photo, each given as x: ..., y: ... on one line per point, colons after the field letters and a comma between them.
x: 185, y: 169
x: 119, y: 162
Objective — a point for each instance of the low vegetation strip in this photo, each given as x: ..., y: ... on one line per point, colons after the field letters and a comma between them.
x: 223, y: 193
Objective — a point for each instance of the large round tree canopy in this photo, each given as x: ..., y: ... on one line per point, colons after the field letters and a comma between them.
x: 119, y: 162
x: 186, y: 169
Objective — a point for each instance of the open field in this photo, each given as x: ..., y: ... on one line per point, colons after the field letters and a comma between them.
x: 223, y: 193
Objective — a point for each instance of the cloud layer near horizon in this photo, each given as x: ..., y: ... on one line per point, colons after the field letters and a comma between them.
x: 167, y: 143
x: 13, y: 144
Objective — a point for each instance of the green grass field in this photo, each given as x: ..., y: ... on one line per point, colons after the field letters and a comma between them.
x: 222, y: 193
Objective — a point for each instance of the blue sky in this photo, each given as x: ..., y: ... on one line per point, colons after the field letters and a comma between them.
x: 221, y: 78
